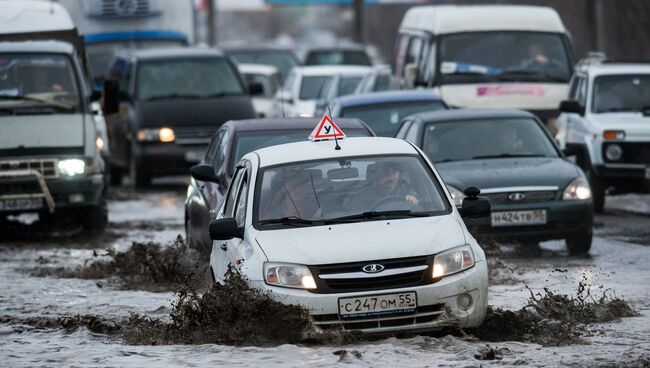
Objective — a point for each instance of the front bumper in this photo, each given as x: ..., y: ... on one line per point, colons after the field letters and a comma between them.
x: 437, y: 304
x: 563, y: 219
x: 159, y: 159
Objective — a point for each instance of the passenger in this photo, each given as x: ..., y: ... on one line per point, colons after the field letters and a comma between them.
x: 388, y: 183
x: 40, y: 82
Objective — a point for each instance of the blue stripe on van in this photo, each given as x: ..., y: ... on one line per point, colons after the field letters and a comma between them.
x: 135, y: 35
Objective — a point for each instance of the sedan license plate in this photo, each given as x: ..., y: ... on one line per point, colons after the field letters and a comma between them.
x: 373, y: 305
x: 20, y: 204
x: 515, y: 218
x: 193, y: 156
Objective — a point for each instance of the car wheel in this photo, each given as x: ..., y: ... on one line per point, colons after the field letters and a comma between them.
x: 95, y: 219
x: 579, y: 244
x: 597, y: 191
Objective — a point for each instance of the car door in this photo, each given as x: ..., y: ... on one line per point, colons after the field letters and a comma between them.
x: 234, y: 252
x: 576, y: 128
x: 219, y: 257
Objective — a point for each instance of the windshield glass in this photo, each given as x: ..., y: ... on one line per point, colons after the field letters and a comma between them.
x: 250, y: 141
x: 38, y: 80
x: 310, y: 89
x: 336, y: 57
x: 384, y: 119
x: 351, y: 189
x: 282, y: 60
x: 100, y: 55
x: 503, y: 56
x: 269, y: 83
x: 348, y: 85
x: 613, y: 93
x: 192, y: 77
x: 486, y: 138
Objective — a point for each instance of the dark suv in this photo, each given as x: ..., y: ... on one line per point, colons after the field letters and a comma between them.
x: 172, y: 101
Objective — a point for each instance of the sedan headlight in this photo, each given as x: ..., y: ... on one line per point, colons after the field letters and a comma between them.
x: 452, y: 261
x: 289, y: 275
x: 577, y: 190
x: 72, y: 167
x: 457, y: 195
x: 165, y: 135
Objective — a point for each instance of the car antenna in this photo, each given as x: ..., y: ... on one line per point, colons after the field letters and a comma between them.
x: 336, y: 140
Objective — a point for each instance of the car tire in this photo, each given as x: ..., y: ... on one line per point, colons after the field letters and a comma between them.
x: 579, y: 244
x: 95, y: 219
x: 597, y: 192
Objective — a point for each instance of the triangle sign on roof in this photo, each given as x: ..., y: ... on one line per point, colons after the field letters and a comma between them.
x: 326, y: 129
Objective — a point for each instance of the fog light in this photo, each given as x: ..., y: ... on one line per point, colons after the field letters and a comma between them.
x: 614, y: 152
x: 76, y: 198
x: 465, y: 301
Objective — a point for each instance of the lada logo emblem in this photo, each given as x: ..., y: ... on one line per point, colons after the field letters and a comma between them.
x: 516, y: 196
x: 373, y: 268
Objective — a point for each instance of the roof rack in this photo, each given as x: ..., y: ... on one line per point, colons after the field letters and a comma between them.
x: 593, y: 58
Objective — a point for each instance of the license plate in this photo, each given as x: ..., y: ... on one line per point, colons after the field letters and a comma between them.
x: 647, y: 172
x: 515, y: 218
x: 373, y: 305
x: 20, y: 204
x: 193, y: 156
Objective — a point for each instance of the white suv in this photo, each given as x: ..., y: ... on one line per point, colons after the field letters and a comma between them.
x: 606, y: 120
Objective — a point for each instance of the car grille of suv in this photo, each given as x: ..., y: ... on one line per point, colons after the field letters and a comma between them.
x: 345, y: 277
x: 46, y: 167
x: 529, y: 197
x: 194, y: 135
x: 633, y: 152
x: 423, y: 314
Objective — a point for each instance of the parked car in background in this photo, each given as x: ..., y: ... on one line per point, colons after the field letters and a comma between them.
x: 380, y: 79
x: 535, y: 192
x: 173, y: 100
x: 338, y: 55
x: 304, y: 87
x: 383, y: 111
x: 212, y: 176
x: 607, y: 117
x: 491, y: 56
x: 269, y: 79
x: 340, y: 84
x: 282, y: 58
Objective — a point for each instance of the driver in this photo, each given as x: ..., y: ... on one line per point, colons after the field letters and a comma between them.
x: 389, y: 183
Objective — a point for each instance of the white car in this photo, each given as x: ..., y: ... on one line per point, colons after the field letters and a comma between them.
x: 268, y: 78
x: 304, y: 86
x: 606, y: 120
x: 334, y: 231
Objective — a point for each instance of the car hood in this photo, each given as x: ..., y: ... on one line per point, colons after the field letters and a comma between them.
x: 178, y: 112
x: 362, y: 241
x: 634, y: 124
x: 508, y: 172
x: 35, y: 131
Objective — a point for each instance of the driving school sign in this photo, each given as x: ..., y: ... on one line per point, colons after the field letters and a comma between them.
x: 326, y: 129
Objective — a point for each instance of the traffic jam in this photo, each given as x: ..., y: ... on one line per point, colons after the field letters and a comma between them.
x: 474, y: 193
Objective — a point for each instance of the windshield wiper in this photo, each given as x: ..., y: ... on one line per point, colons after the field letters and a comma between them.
x: 369, y: 215
x: 507, y: 155
x: 291, y: 220
x: 54, y: 104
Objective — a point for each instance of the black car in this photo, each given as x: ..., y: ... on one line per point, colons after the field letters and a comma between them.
x: 172, y: 102
x: 282, y: 58
x: 535, y: 192
x: 211, y: 178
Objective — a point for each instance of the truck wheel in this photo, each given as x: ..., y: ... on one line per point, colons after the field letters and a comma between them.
x: 95, y: 219
x: 597, y: 191
x: 579, y: 244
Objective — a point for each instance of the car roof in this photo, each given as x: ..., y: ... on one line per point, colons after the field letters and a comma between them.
x: 442, y: 19
x: 468, y: 114
x: 613, y: 68
x: 384, y: 97
x: 173, y: 52
x: 254, y: 48
x: 33, y: 16
x: 350, y: 147
x: 291, y: 124
x: 257, y: 69
x: 332, y: 69
x: 49, y: 46
x: 349, y: 47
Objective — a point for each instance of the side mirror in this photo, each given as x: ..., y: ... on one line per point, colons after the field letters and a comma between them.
x: 473, y: 205
x: 203, y: 172
x: 255, y: 89
x: 571, y: 107
x: 111, y: 96
x: 225, y: 229
x: 95, y: 95
x: 573, y: 149
x: 410, y: 75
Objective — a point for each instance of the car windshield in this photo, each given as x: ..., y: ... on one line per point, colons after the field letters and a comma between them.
x: 338, y: 57
x: 348, y: 84
x: 384, y: 119
x: 621, y: 93
x: 503, y: 57
x: 250, y: 141
x: 486, y: 138
x: 310, y: 89
x: 282, y: 60
x: 100, y: 55
x: 40, y: 81
x: 269, y: 83
x: 191, y: 77
x: 348, y: 190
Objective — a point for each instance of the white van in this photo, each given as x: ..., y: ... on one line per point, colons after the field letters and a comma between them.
x: 487, y: 56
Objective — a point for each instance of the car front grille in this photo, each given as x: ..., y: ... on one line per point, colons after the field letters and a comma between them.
x: 19, y: 188
x: 423, y: 314
x: 528, y: 197
x: 194, y: 135
x: 633, y: 152
x: 46, y: 167
x: 350, y: 277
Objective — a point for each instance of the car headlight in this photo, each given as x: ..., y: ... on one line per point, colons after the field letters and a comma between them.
x: 457, y: 195
x: 289, y: 275
x: 614, y: 152
x: 452, y: 261
x: 72, y: 167
x: 165, y: 135
x: 577, y: 190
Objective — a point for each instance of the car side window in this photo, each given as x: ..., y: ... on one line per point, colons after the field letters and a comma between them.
x: 232, y: 192
x: 412, y: 135
x: 401, y: 133
x: 242, y: 200
x: 581, y: 93
x: 214, y: 146
x: 221, y: 153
